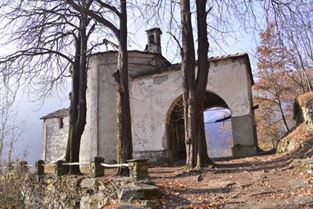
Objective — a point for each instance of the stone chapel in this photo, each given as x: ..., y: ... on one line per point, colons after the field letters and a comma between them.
x: 155, y: 87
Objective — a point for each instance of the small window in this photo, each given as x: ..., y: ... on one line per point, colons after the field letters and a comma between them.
x: 61, y: 124
x: 151, y: 39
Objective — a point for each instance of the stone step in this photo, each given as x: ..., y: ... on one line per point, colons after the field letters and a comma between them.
x: 139, y: 191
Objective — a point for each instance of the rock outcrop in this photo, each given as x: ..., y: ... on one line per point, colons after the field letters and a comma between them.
x: 301, y: 137
x: 303, y: 109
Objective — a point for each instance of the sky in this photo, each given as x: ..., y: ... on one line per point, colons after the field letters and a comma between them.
x: 29, y: 112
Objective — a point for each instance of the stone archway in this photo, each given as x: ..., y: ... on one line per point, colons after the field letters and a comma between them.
x: 176, y: 151
x: 155, y: 95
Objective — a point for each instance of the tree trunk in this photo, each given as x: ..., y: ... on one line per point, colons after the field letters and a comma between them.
x: 124, y: 137
x: 2, y: 139
x: 194, y: 87
x: 203, y: 157
x: 188, y: 71
x: 202, y: 79
x: 283, y: 115
x: 78, y: 98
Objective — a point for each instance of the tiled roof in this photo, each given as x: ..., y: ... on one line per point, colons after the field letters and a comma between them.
x: 175, y: 67
x: 61, y: 113
x: 217, y: 58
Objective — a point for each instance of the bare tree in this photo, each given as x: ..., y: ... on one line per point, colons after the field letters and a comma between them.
x: 124, y: 134
x: 10, y: 127
x: 293, y: 21
x: 5, y: 107
x: 279, y: 83
x: 98, y: 12
x: 194, y: 82
x: 52, y: 37
x: 79, y: 86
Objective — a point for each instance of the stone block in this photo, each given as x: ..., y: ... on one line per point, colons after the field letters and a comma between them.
x: 99, y: 170
x: 240, y: 150
x: 23, y: 167
x: 138, y: 169
x: 139, y: 191
x: 60, y: 168
x: 40, y: 170
x: 40, y: 167
x: 50, y: 168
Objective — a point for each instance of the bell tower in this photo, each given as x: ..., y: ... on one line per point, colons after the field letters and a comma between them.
x: 154, y: 40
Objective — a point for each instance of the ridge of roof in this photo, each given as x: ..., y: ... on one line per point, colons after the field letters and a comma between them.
x: 133, y: 51
x: 176, y: 66
x: 60, y: 113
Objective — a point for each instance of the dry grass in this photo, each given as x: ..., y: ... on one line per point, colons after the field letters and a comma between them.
x: 10, y: 184
x: 300, y: 134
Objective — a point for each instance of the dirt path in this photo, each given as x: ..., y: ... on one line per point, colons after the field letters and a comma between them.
x: 261, y: 182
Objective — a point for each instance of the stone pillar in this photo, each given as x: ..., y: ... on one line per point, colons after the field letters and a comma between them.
x: 138, y: 169
x: 40, y: 169
x: 99, y: 170
x: 244, y: 136
x: 61, y: 169
x: 11, y: 166
x: 23, y: 166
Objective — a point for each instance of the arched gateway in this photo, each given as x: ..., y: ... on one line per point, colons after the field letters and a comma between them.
x: 176, y: 150
x: 156, y: 106
x: 155, y: 92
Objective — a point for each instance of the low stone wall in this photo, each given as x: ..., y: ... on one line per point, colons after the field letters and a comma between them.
x: 69, y: 192
x: 44, y: 191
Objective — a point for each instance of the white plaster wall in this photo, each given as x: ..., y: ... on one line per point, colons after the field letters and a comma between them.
x: 150, y: 102
x: 101, y: 100
x: 56, y: 139
x: 106, y: 111
x: 230, y: 81
x: 89, y: 139
x: 152, y: 97
x: 43, y: 142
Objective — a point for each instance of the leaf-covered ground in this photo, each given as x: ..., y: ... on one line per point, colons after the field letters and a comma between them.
x: 264, y: 182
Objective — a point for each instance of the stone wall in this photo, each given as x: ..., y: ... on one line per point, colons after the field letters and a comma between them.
x: 68, y: 192
x: 84, y: 192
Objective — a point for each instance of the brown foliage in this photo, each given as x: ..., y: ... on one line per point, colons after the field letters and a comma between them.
x: 278, y: 84
x: 304, y: 100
